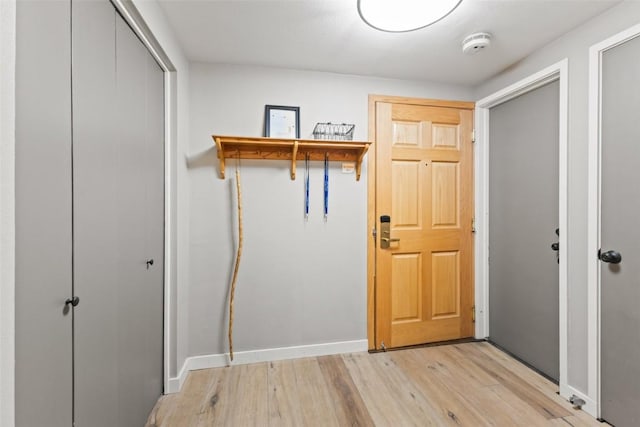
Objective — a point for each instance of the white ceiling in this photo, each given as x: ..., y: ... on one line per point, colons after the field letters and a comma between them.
x: 328, y: 35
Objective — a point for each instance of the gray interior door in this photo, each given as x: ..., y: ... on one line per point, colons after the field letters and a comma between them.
x: 620, y: 283
x: 98, y: 234
x: 523, y: 217
x: 43, y: 215
x: 118, y: 220
x: 140, y: 110
x: 151, y: 366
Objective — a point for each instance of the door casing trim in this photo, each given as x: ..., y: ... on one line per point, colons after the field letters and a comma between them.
x: 593, y: 211
x: 371, y: 195
x: 557, y: 71
x: 7, y: 211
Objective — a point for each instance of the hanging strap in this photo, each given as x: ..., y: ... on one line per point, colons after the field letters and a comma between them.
x: 326, y: 186
x: 306, y: 187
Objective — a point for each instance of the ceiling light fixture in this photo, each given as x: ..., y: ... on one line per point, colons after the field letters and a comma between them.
x: 399, y: 16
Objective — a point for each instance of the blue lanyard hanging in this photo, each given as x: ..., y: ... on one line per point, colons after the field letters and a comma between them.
x: 306, y: 187
x: 326, y: 186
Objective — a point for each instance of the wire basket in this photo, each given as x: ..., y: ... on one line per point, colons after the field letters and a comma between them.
x: 332, y: 131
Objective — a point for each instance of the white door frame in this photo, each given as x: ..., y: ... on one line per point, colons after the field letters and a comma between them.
x: 593, y: 222
x: 557, y: 71
x: 7, y: 211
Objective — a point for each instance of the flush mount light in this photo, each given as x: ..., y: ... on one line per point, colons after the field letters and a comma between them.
x: 399, y: 16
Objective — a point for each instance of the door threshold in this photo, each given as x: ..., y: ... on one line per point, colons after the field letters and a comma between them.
x: 431, y: 344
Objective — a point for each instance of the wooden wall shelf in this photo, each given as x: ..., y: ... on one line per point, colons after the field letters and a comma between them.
x: 234, y: 147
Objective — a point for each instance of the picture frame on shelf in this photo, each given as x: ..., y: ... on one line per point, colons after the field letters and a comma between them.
x: 281, y: 122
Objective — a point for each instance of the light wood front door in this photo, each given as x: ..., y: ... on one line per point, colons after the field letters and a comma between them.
x: 424, y: 184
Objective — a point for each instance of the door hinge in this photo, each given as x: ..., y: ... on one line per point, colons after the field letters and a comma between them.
x: 473, y: 136
x: 382, y: 346
x: 374, y: 233
x: 473, y: 314
x: 473, y: 225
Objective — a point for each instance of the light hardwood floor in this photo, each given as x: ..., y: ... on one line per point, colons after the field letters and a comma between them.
x: 471, y: 384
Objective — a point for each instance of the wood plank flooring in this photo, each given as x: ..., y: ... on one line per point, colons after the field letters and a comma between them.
x: 471, y: 384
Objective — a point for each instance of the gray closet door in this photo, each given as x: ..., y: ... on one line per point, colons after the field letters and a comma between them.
x: 118, y: 221
x: 523, y: 211
x: 152, y: 365
x: 43, y: 215
x: 620, y: 283
x: 141, y: 111
x: 99, y: 237
x: 140, y: 92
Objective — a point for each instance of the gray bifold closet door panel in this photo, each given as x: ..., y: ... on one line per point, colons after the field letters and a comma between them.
x: 620, y: 204
x: 523, y: 217
x: 43, y: 370
x: 118, y: 221
x: 99, y: 238
x: 140, y: 112
x: 152, y: 364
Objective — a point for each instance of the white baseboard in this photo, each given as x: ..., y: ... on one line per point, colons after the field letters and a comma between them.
x: 266, y: 355
x: 174, y: 385
x: 589, y: 407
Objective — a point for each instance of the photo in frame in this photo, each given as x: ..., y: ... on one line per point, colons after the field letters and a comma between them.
x: 281, y: 121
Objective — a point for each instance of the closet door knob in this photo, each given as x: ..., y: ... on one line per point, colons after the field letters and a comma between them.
x: 73, y: 301
x: 612, y: 257
x: 149, y: 262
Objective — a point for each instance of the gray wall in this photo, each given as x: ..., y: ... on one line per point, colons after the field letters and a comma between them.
x: 299, y: 283
x: 575, y: 46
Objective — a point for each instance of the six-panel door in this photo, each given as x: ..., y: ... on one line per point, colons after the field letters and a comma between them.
x: 424, y: 281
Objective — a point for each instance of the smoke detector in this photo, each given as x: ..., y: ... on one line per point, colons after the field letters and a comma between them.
x: 476, y: 42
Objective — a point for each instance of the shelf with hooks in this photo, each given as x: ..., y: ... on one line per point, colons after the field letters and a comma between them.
x: 237, y: 147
